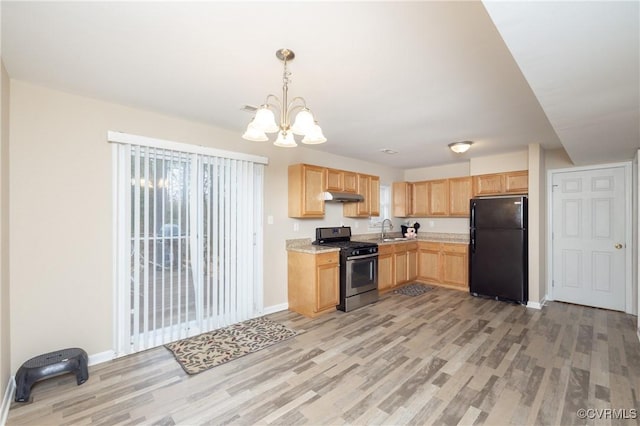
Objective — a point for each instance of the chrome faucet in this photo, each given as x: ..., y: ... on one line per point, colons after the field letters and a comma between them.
x: 382, y: 231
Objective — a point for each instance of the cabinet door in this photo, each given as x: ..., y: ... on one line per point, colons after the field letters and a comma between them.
x: 460, y: 192
x: 517, y: 182
x: 412, y: 264
x: 488, y: 184
x: 335, y: 180
x: 350, y: 182
x: 455, y: 265
x: 429, y: 262
x: 360, y: 209
x: 420, y: 199
x: 402, y: 193
x: 386, y: 274
x: 439, y: 197
x: 374, y: 196
x: 306, y: 184
x: 400, y: 263
x: 327, y: 280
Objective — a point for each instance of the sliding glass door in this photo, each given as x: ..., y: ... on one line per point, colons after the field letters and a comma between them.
x: 189, y: 223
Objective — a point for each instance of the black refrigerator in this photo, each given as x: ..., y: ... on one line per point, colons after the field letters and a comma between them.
x: 498, y: 263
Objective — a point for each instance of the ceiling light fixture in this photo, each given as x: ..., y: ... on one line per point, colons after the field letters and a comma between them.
x: 460, y: 147
x: 264, y: 121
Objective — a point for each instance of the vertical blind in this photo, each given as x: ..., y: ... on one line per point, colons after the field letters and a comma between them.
x: 188, y: 239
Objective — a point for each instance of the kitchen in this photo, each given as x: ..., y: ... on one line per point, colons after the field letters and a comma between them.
x: 74, y: 243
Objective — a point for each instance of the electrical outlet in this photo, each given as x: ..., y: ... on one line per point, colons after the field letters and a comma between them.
x: 431, y: 224
x: 270, y: 220
x: 296, y: 227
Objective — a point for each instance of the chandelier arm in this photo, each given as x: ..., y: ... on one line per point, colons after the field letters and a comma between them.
x: 292, y: 105
x: 274, y: 97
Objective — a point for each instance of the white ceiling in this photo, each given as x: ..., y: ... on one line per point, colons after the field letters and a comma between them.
x: 408, y: 76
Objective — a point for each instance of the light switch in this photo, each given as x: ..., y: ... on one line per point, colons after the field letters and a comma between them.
x: 270, y: 220
x: 296, y: 226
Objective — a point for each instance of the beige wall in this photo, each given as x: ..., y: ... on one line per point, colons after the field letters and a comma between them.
x: 5, y: 331
x: 61, y: 278
x: 557, y: 159
x: 499, y: 163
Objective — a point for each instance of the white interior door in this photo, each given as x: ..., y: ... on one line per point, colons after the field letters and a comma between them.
x: 588, y: 237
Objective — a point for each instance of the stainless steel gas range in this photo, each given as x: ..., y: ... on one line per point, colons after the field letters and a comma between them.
x: 358, y: 267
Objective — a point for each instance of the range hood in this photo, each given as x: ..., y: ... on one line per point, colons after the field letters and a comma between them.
x: 342, y: 197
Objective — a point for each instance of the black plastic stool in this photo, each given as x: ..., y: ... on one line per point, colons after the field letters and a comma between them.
x: 73, y: 360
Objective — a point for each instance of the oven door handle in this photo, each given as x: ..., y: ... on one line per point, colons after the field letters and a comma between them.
x: 364, y: 256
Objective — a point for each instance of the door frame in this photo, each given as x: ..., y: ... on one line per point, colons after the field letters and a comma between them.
x: 628, y: 238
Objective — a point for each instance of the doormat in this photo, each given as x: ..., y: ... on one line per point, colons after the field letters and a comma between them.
x: 413, y: 289
x: 199, y: 353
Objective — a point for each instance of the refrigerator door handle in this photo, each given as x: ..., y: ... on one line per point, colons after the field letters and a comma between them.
x: 472, y: 240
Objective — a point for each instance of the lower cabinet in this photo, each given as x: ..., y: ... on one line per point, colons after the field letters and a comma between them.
x: 445, y: 264
x: 386, y: 269
x: 313, y: 282
x: 397, y: 265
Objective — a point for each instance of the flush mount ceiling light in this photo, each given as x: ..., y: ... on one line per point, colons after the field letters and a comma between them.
x: 388, y: 151
x: 460, y: 147
x: 265, y: 122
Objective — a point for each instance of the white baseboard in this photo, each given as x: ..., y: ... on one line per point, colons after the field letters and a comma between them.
x: 6, y: 400
x: 275, y: 308
x: 101, y: 357
x: 536, y: 305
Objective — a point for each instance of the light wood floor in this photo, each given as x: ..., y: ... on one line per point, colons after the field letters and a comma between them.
x: 440, y: 358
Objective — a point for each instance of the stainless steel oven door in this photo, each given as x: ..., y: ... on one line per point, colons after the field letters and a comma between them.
x: 361, y: 274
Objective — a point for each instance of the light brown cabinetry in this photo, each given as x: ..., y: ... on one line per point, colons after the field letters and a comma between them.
x: 460, y: 192
x: 402, y: 199
x: 313, y: 282
x: 397, y: 265
x: 306, y: 184
x: 420, y: 198
x: 516, y: 182
x: 501, y: 183
x: 386, y: 271
x: 444, y: 264
x: 438, y: 198
x: 369, y: 187
x: 341, y: 181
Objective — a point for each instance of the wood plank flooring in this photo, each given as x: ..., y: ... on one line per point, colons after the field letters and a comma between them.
x: 443, y: 357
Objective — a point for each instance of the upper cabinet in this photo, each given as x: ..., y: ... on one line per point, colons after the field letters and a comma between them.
x: 438, y: 199
x: 460, y: 192
x: 450, y: 197
x: 516, y: 182
x: 341, y: 181
x: 402, y: 195
x: 369, y: 187
x: 306, y: 185
x: 308, y: 182
x: 501, y: 183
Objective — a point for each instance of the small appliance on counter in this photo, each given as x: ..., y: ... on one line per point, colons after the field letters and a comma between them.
x: 498, y: 263
x: 358, y: 267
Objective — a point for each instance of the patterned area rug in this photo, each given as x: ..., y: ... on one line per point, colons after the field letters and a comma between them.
x: 413, y: 289
x: 199, y: 353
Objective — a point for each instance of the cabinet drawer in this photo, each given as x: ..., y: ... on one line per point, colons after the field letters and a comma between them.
x: 386, y: 249
x: 327, y: 258
x: 428, y: 245
x: 455, y: 248
x: 411, y: 246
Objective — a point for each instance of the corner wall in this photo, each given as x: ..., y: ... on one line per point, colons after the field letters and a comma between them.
x: 537, y: 225
x: 5, y: 329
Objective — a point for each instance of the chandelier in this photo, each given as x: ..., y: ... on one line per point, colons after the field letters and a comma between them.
x: 265, y: 122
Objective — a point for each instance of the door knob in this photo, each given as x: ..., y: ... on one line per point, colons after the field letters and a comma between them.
x: 618, y: 246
